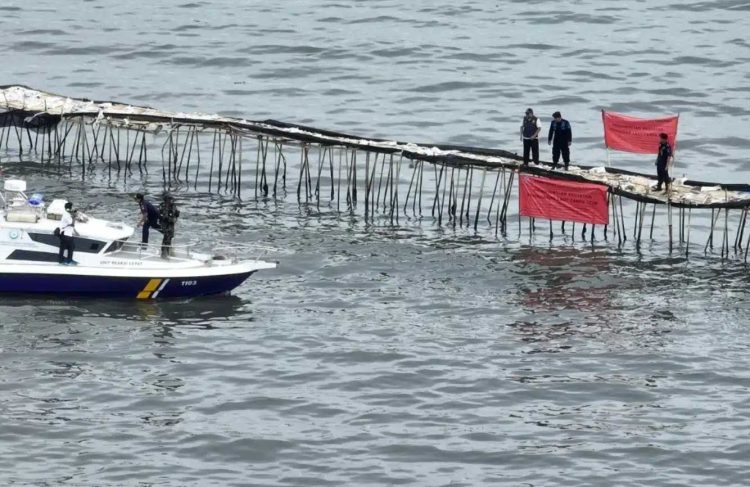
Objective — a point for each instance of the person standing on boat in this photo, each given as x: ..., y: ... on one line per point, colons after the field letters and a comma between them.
x: 662, y: 159
x: 149, y: 217
x: 168, y: 214
x: 530, y: 128
x: 67, y: 231
x: 560, y: 137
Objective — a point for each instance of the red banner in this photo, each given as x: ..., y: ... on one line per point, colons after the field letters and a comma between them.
x: 554, y: 199
x: 641, y: 135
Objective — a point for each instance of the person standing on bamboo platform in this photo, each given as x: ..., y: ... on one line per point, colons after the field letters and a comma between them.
x: 662, y: 159
x: 560, y: 137
x: 530, y: 128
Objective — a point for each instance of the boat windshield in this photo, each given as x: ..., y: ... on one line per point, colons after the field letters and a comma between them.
x: 115, y: 246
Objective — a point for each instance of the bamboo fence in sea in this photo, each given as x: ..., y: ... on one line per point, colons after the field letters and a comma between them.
x: 457, y: 186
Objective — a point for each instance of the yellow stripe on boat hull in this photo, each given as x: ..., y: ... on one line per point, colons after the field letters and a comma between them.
x: 150, y: 287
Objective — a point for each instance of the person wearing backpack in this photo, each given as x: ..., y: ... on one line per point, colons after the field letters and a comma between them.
x: 530, y: 128
x: 168, y: 214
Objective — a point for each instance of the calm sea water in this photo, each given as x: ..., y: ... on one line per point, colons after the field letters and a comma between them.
x: 379, y: 355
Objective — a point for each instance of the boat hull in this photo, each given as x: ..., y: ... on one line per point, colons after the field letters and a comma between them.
x: 119, y: 287
x: 119, y: 282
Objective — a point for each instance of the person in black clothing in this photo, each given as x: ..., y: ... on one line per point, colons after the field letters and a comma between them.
x: 168, y: 214
x: 662, y: 159
x: 530, y: 128
x: 149, y: 216
x: 560, y: 137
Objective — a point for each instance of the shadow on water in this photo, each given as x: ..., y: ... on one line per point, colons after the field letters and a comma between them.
x: 202, y: 311
x: 81, y: 325
x: 588, y: 292
x: 574, y: 298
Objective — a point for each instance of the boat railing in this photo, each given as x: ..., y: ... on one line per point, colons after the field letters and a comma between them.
x: 236, y: 251
x: 218, y: 250
x: 179, y: 251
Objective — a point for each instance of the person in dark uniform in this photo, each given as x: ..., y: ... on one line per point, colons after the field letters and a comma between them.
x: 149, y: 216
x: 168, y: 214
x: 67, y: 232
x: 560, y: 137
x: 662, y: 159
x: 530, y: 128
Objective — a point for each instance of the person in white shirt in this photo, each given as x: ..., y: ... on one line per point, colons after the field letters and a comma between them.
x: 67, y: 231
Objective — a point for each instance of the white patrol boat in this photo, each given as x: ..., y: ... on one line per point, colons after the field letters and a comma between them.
x: 107, y: 264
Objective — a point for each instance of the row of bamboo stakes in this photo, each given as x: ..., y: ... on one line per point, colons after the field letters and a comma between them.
x: 448, y: 198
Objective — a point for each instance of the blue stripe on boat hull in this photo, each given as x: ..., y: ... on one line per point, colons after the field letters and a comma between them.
x: 125, y: 287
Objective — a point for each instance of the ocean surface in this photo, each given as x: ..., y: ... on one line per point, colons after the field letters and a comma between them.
x: 379, y: 354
